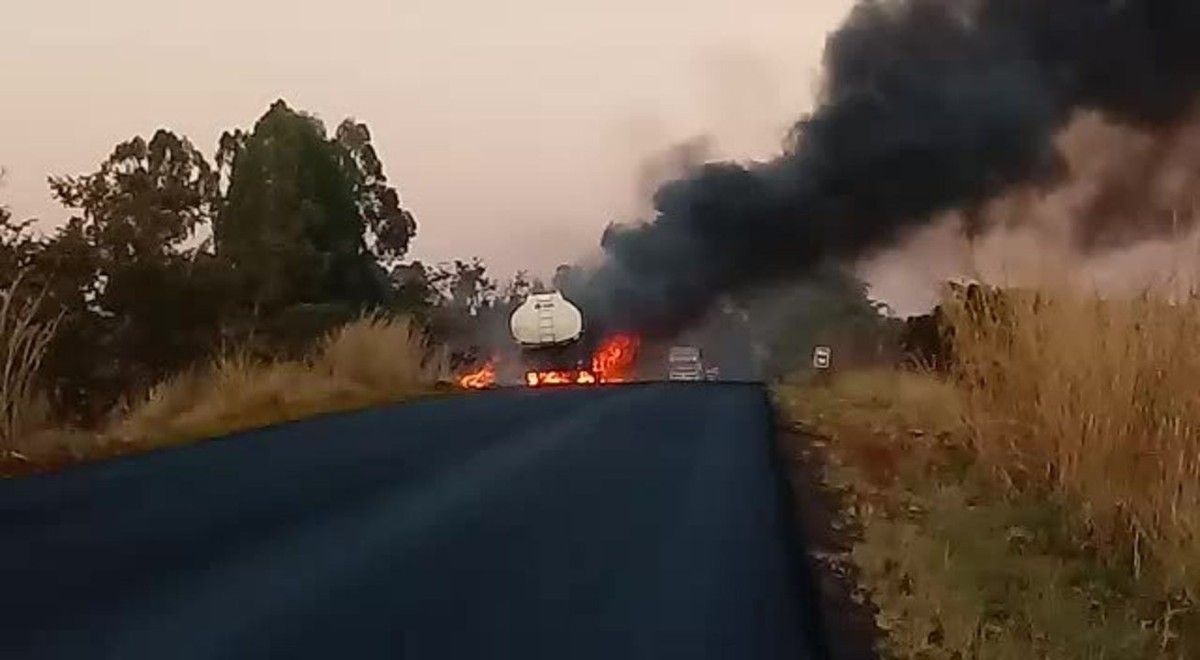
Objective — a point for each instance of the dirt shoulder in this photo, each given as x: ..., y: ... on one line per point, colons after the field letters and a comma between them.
x: 848, y: 616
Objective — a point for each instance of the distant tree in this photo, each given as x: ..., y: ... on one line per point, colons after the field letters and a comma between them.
x: 519, y: 288
x: 465, y: 285
x: 146, y: 200
x: 389, y: 227
x: 831, y: 307
x: 309, y: 219
x: 17, y: 244
x: 289, y: 226
x: 230, y: 144
x: 414, y: 288
x: 122, y: 271
x: 467, y: 309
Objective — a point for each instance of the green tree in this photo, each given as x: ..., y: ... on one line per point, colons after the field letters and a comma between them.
x: 466, y: 309
x: 139, y: 302
x: 165, y: 255
x: 465, y: 286
x: 17, y: 243
x: 830, y: 307
x: 519, y: 288
x: 308, y: 219
x: 389, y: 227
x: 414, y: 289
x: 146, y: 200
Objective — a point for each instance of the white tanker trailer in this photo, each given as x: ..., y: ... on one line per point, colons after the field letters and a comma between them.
x: 548, y: 329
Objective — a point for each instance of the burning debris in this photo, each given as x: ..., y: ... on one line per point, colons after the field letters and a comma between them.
x: 480, y: 379
x: 613, y: 362
x: 928, y: 107
x: 542, y: 378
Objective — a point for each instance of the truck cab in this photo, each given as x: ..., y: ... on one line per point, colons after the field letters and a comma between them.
x: 685, y: 363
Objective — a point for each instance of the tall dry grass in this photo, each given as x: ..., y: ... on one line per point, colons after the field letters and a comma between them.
x: 371, y: 361
x: 1096, y: 402
x: 23, y: 343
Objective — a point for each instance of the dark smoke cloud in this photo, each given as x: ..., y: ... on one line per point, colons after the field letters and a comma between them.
x: 928, y: 106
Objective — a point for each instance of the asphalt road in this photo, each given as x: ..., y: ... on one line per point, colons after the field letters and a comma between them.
x: 632, y: 522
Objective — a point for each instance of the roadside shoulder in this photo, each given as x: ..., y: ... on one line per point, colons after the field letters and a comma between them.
x: 949, y: 563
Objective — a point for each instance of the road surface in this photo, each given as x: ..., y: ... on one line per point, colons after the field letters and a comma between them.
x: 633, y: 522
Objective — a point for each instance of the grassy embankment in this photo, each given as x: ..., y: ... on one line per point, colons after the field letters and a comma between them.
x: 1044, y: 502
x: 372, y: 361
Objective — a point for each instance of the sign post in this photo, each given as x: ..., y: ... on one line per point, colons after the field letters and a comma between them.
x: 822, y: 357
x: 822, y: 361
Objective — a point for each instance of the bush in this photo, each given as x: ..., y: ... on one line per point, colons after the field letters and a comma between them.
x: 371, y: 361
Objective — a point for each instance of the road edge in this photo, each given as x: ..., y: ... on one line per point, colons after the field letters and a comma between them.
x: 844, y: 618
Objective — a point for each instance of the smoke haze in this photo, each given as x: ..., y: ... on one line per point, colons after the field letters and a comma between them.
x: 1123, y: 221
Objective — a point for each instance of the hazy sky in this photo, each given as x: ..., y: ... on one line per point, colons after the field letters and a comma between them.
x: 512, y: 129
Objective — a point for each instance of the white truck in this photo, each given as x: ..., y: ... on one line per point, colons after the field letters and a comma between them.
x: 685, y: 363
x: 548, y: 328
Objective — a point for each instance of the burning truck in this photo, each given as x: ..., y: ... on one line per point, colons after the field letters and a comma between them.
x: 548, y: 331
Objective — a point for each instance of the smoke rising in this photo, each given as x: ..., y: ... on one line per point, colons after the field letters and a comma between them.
x: 1126, y: 185
x: 1123, y: 222
x: 928, y: 107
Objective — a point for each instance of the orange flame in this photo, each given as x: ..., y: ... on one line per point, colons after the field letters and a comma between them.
x: 481, y: 379
x: 614, y: 360
x: 540, y: 378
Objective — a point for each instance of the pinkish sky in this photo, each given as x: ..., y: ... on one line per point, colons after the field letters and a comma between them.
x: 513, y: 129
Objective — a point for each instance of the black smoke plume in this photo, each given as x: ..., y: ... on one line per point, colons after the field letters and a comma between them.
x: 928, y: 106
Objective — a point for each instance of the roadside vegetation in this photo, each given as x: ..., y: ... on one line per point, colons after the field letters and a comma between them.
x: 190, y: 295
x: 1039, y: 498
x: 371, y: 361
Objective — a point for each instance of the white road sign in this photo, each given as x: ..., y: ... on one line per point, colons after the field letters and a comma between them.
x: 821, y: 357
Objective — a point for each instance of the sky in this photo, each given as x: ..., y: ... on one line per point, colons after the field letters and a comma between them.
x: 513, y: 130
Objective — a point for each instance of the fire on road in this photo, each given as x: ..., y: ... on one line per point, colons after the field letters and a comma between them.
x: 612, y: 362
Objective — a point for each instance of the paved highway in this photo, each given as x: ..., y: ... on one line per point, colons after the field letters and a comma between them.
x: 633, y: 522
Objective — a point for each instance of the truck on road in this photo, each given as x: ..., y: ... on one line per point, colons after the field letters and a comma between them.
x: 685, y: 363
x: 548, y: 329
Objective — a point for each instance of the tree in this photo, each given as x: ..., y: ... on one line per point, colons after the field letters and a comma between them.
x: 465, y: 315
x: 465, y: 285
x: 389, y: 227
x: 308, y: 219
x: 413, y: 288
x: 302, y: 226
x: 519, y: 288
x: 831, y: 307
x: 146, y: 200
x: 17, y: 244
x: 123, y: 274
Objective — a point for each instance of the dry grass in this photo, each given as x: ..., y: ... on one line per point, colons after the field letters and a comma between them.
x: 23, y: 343
x: 958, y: 566
x: 1044, y: 501
x: 1094, y: 403
x: 372, y: 361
